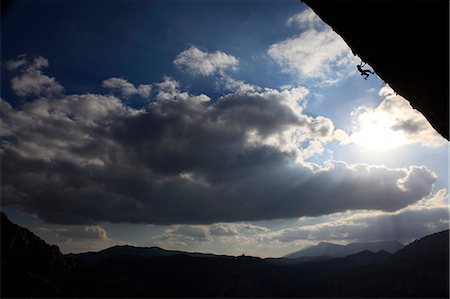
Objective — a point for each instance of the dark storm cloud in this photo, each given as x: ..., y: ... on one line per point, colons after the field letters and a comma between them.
x: 410, y: 126
x: 412, y: 222
x: 81, y: 159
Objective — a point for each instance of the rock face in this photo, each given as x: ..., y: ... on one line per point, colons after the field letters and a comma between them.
x: 406, y: 43
x: 29, y: 266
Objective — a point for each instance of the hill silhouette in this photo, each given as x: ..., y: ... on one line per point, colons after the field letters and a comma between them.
x: 420, y: 270
x: 92, y: 258
x: 32, y: 268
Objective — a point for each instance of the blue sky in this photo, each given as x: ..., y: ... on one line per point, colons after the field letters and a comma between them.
x: 222, y: 126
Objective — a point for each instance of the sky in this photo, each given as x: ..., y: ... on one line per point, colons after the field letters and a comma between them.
x: 229, y: 127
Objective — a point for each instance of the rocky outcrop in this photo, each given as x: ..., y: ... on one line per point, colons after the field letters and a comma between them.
x: 29, y: 266
x: 406, y: 43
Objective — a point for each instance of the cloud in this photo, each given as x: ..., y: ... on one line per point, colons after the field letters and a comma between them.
x: 77, y: 232
x: 233, y: 229
x: 237, y: 86
x: 223, y: 229
x: 427, y: 216
x: 31, y: 80
x: 307, y: 18
x: 14, y: 64
x: 316, y: 53
x: 182, y: 235
x: 168, y: 90
x: 424, y: 217
x: 126, y: 88
x: 185, y: 159
x: 76, y: 238
x: 196, y: 232
x: 392, y: 123
x: 192, y: 236
x: 198, y: 62
x: 57, y: 129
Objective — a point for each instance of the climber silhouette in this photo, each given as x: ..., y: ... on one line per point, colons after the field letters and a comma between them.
x: 364, y: 73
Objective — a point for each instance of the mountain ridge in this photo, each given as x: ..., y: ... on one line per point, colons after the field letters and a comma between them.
x: 419, y: 270
x: 337, y: 250
x: 93, y: 257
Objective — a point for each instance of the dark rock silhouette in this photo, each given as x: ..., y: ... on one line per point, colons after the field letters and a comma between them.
x: 405, y: 42
x: 349, y: 262
x: 32, y: 268
x: 298, y: 260
x: 420, y: 270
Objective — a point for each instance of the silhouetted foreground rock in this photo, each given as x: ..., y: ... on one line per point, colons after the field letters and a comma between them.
x: 406, y: 43
x: 32, y: 268
x: 420, y: 270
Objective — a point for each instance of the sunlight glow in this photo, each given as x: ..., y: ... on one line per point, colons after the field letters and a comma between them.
x: 375, y: 132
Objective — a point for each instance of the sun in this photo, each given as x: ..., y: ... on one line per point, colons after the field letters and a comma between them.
x: 374, y: 132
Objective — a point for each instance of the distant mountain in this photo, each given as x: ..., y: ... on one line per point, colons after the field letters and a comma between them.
x: 336, y: 250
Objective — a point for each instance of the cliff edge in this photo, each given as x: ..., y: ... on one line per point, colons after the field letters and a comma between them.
x: 405, y: 42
